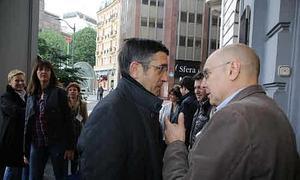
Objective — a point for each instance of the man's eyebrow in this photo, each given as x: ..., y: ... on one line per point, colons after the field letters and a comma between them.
x: 163, y: 65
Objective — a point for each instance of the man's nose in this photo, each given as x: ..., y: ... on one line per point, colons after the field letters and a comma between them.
x: 164, y: 76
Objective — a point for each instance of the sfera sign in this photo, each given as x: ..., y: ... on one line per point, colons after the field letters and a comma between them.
x: 186, y: 68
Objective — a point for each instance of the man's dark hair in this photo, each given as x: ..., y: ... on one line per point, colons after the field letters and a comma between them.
x: 198, y: 76
x: 187, y: 82
x: 136, y: 49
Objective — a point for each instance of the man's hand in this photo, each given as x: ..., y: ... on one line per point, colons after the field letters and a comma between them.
x: 174, y: 132
x: 69, y: 154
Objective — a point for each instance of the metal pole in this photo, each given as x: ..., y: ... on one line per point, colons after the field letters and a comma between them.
x: 73, y: 39
x: 73, y: 43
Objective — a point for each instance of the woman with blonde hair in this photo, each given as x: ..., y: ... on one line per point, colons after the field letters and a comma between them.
x: 13, y: 103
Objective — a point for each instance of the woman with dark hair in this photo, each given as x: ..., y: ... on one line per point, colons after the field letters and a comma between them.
x: 48, y: 123
x: 170, y: 110
x: 80, y: 115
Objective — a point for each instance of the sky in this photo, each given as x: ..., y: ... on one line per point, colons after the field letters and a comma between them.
x: 59, y: 7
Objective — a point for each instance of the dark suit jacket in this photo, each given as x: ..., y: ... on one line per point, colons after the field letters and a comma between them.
x: 250, y: 138
x: 122, y: 139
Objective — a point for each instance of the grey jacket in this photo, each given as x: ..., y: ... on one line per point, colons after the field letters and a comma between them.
x: 250, y: 138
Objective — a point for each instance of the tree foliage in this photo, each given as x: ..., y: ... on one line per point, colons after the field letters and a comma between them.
x: 55, y: 53
x: 85, y: 45
x: 54, y: 39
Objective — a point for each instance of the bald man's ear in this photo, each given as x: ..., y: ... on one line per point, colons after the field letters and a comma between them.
x: 134, y: 69
x: 235, y: 68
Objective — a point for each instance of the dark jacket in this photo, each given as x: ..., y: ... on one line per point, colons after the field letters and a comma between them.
x: 250, y: 138
x: 12, y: 128
x: 201, y: 117
x: 122, y: 139
x: 188, y: 107
x: 58, y: 116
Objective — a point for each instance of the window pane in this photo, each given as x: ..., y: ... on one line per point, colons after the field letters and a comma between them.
x: 160, y: 3
x: 143, y: 21
x: 199, y: 18
x: 214, y: 20
x: 190, y: 42
x: 191, y: 17
x: 151, y: 22
x: 198, y: 43
x: 183, y: 16
x: 152, y: 2
x: 159, y: 23
x: 145, y: 2
x: 213, y: 44
x: 182, y: 40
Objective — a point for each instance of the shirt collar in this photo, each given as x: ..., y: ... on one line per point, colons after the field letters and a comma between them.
x: 227, y: 100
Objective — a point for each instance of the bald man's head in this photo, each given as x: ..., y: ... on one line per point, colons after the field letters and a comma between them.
x: 229, y: 69
x: 242, y: 52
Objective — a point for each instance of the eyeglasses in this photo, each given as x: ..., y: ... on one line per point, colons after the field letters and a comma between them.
x: 206, y: 71
x: 161, y: 68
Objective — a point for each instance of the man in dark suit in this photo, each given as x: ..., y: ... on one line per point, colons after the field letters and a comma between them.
x: 122, y: 139
x: 248, y: 137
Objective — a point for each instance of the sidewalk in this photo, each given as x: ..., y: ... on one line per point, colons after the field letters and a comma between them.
x: 92, y: 101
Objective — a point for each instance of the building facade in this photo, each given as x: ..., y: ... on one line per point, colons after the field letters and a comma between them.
x: 78, y: 21
x: 175, y: 23
x: 107, y: 44
x: 47, y: 20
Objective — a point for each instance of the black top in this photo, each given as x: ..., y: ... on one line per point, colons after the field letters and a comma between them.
x: 11, y: 128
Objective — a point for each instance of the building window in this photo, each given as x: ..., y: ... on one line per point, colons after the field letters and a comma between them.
x: 198, y: 43
x: 183, y: 16
x: 190, y: 42
x: 182, y: 40
x: 143, y: 21
x: 152, y: 2
x: 151, y: 22
x: 213, y: 44
x: 160, y: 3
x: 215, y: 20
x: 199, y: 19
x: 145, y: 2
x: 191, y: 17
x: 245, y: 26
x: 159, y: 23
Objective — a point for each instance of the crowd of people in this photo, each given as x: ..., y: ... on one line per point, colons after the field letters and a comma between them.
x: 218, y: 124
x: 39, y: 123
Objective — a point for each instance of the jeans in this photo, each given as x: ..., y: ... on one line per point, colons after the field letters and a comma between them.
x: 16, y: 173
x: 39, y: 157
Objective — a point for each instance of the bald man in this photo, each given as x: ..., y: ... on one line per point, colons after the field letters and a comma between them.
x: 248, y: 137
